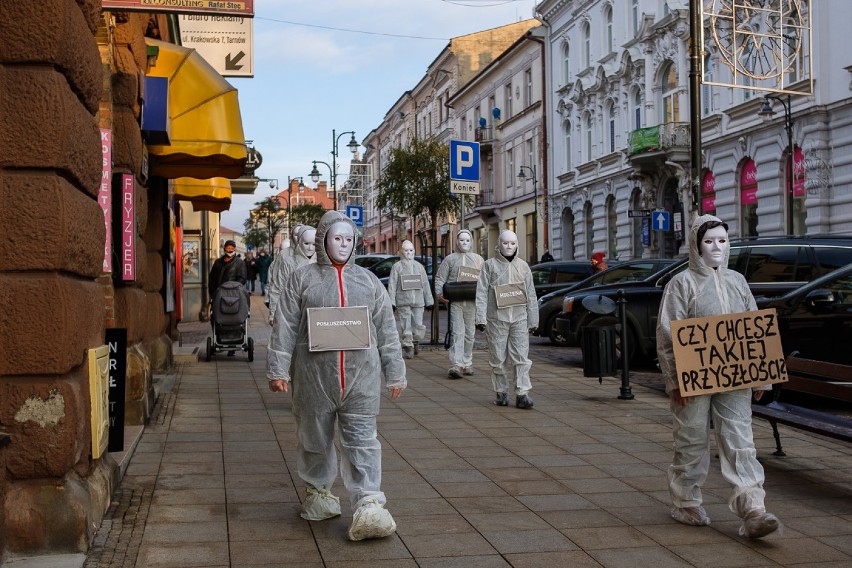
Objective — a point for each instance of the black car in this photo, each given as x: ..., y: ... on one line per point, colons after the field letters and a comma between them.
x: 550, y: 304
x: 556, y: 275
x: 772, y: 266
x: 369, y: 260
x: 816, y: 319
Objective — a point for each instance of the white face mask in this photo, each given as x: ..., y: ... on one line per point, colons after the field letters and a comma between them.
x: 307, y: 243
x: 714, y: 246
x: 464, y: 242
x: 408, y: 250
x: 339, y: 242
x: 508, y: 243
x: 230, y: 254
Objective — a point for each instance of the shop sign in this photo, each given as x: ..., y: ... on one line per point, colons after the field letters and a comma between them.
x: 105, y: 194
x: 236, y: 8
x: 128, y: 228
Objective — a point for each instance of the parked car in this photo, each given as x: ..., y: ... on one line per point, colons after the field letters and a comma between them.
x: 816, y: 319
x: 550, y: 304
x: 772, y: 266
x: 369, y: 260
x: 551, y: 276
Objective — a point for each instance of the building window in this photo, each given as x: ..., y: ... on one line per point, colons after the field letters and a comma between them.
x: 671, y: 106
x: 528, y: 91
x: 637, y: 110
x: 748, y: 199
x: 589, y: 138
x: 508, y: 94
x: 512, y: 225
x: 707, y: 90
x: 492, y: 104
x: 634, y: 14
x: 589, y: 220
x: 611, y: 126
x: 587, y: 44
x: 641, y: 225
x: 609, y: 40
x: 530, y: 153
x: 566, y: 64
x: 510, y: 170
x: 611, y: 228
x: 567, y: 131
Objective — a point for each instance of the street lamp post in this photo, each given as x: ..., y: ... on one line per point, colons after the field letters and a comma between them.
x: 335, y: 141
x: 767, y: 112
x: 315, y: 176
x: 290, y: 200
x: 522, y: 176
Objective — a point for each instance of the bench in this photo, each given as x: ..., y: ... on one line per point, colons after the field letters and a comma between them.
x: 827, y: 380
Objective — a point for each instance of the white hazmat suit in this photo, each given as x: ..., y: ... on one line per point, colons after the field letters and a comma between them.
x: 409, y: 297
x: 342, y: 386
x: 462, y: 313
x: 283, y: 266
x: 507, y: 328
x: 709, y: 288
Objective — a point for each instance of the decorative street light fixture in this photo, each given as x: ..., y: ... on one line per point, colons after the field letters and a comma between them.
x: 522, y: 176
x: 335, y: 141
x: 767, y: 112
x: 273, y: 184
x: 315, y: 174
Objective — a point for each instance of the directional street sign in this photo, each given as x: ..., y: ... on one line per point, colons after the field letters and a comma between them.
x: 464, y: 167
x: 225, y: 42
x: 662, y: 220
x: 356, y: 214
x: 638, y: 213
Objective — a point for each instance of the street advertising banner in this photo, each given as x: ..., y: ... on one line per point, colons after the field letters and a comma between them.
x: 221, y: 7
x: 730, y: 352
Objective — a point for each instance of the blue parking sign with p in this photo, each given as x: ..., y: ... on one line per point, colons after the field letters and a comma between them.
x: 356, y: 214
x: 464, y: 160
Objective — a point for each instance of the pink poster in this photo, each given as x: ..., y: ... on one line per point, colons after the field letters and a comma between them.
x: 105, y: 194
x: 748, y: 184
x: 708, y: 204
x: 128, y: 228
x: 798, y: 173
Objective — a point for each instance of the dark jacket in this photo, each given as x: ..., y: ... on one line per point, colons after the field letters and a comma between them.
x: 251, y: 268
x: 263, y: 262
x: 232, y: 271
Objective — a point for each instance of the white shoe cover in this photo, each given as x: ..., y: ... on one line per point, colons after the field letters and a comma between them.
x: 695, y: 516
x: 371, y: 520
x: 758, y: 523
x: 320, y: 504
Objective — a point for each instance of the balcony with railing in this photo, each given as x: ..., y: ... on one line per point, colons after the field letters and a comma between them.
x: 485, y: 136
x: 650, y: 147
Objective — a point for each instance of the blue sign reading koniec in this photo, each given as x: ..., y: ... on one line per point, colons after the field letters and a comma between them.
x: 356, y: 214
x: 464, y: 160
x: 662, y: 220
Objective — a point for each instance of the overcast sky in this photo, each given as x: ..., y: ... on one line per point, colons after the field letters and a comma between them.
x: 337, y: 64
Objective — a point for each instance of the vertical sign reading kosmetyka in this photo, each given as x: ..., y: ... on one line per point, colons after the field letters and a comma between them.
x: 105, y: 194
x: 730, y: 352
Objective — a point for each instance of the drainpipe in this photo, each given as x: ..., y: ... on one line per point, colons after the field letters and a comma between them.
x: 545, y: 148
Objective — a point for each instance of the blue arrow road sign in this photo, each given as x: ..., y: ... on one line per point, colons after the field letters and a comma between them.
x: 661, y: 220
x: 464, y: 160
x: 356, y: 213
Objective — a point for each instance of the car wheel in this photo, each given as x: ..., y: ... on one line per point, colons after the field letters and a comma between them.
x: 553, y: 334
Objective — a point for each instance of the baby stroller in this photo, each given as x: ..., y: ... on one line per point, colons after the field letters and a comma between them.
x: 229, y: 313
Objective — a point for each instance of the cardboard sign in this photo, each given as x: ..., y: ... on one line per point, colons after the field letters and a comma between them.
x: 339, y: 329
x: 468, y: 274
x: 730, y: 352
x: 508, y: 295
x: 410, y: 282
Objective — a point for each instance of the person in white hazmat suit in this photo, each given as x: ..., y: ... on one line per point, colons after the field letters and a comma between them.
x: 275, y: 265
x: 341, y: 385
x: 709, y: 288
x: 408, y: 288
x: 304, y: 253
x: 462, y: 312
x: 507, y: 310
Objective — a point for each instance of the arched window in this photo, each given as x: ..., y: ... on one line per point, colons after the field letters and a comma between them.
x: 637, y: 110
x: 641, y: 225
x: 587, y: 44
x: 670, y: 107
x: 611, y: 228
x: 748, y: 199
x: 566, y: 129
x: 609, y: 40
x: 589, y: 220
x: 566, y: 63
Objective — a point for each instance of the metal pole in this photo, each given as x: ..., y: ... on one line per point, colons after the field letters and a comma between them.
x: 788, y: 124
x: 626, y: 393
x: 334, y: 166
x: 695, y: 102
x: 535, y: 216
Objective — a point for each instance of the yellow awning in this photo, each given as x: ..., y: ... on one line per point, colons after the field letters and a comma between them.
x: 204, y: 194
x: 207, y: 137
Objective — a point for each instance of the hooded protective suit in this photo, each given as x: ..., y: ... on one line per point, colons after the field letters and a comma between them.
x: 697, y: 292
x: 281, y: 269
x: 462, y: 313
x: 409, y: 303
x: 507, y: 329
x: 336, y: 385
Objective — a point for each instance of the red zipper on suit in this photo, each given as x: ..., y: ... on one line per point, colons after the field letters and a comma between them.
x: 342, y: 304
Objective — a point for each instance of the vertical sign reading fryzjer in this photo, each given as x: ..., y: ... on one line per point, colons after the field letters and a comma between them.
x: 105, y: 194
x: 128, y: 228
x: 730, y: 352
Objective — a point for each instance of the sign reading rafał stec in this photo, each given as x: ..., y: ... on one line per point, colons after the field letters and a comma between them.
x: 730, y: 352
